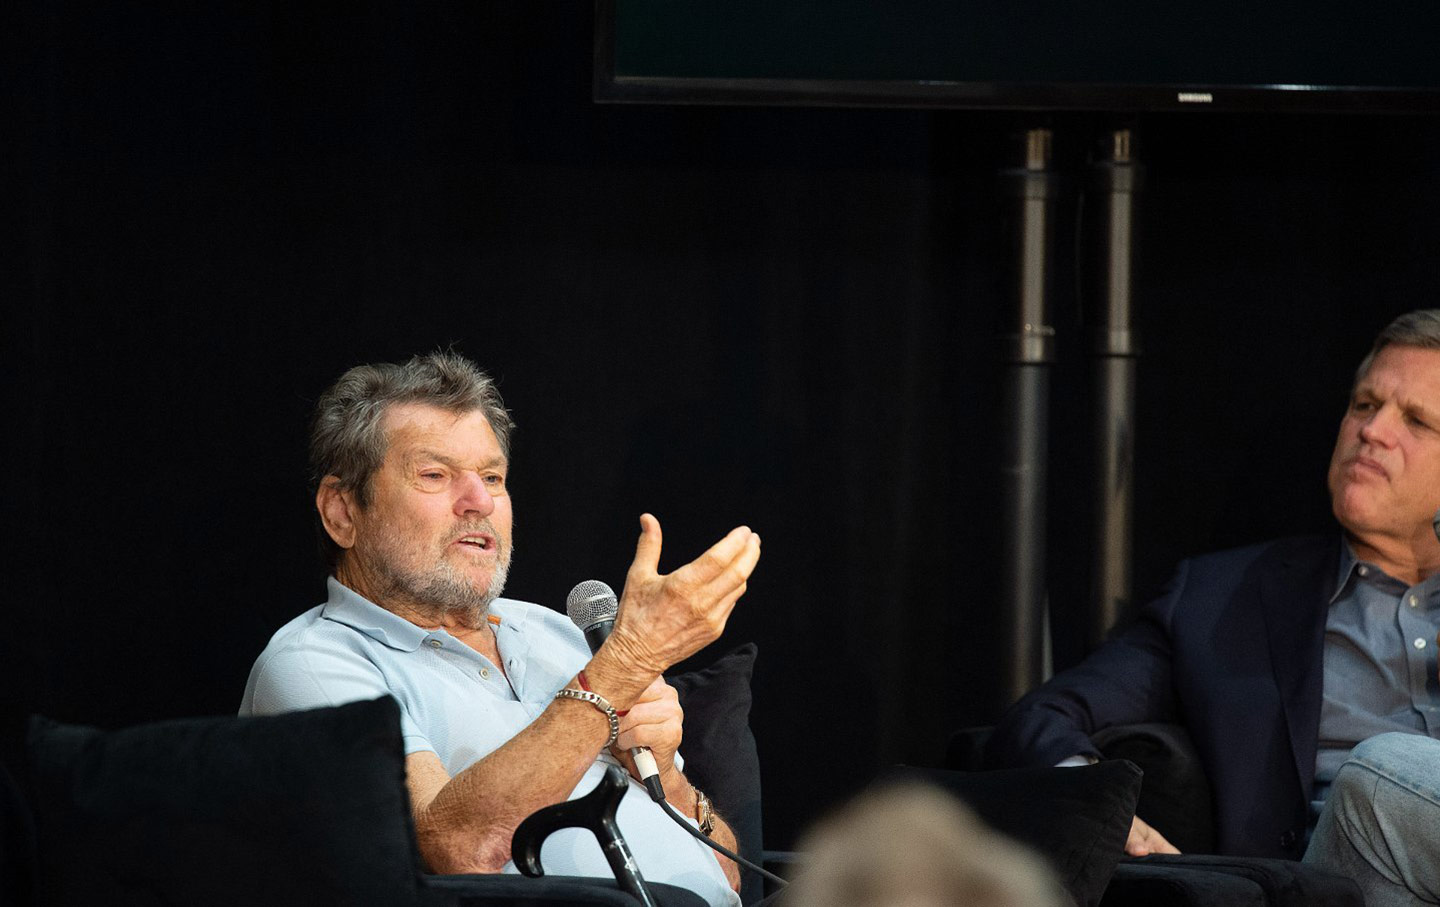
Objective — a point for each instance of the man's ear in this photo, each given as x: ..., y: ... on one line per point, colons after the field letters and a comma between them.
x: 337, y: 510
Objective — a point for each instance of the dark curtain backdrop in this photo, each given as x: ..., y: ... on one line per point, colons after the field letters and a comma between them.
x: 784, y: 317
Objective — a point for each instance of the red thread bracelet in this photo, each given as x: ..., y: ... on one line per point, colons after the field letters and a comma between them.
x: 585, y: 685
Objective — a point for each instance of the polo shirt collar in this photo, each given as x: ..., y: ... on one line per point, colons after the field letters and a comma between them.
x: 345, y: 605
x: 354, y: 610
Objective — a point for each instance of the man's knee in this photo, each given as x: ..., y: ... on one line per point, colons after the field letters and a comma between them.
x: 1397, y: 752
x: 1406, y: 765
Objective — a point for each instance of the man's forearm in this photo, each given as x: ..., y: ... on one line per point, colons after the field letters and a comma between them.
x: 465, y: 823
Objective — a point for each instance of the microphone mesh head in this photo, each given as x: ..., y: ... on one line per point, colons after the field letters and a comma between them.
x: 591, y: 602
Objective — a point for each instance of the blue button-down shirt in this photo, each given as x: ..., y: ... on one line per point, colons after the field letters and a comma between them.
x: 1380, y: 664
x: 456, y: 703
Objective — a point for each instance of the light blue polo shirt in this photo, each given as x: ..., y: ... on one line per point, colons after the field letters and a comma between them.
x: 457, y: 704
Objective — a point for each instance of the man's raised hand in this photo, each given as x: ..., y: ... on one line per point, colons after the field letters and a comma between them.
x: 666, y: 618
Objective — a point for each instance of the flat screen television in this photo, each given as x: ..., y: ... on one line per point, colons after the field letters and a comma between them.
x: 1104, y: 55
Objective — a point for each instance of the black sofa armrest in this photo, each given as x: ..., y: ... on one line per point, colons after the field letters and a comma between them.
x: 1175, y: 798
x: 1202, y: 880
x: 1076, y: 818
x: 507, y: 890
x: 1174, y: 793
x: 1140, y: 883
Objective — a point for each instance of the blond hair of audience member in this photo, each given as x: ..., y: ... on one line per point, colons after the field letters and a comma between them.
x: 916, y: 846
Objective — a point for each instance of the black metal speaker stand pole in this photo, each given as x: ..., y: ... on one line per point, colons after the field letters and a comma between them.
x: 1028, y: 349
x: 1116, y: 178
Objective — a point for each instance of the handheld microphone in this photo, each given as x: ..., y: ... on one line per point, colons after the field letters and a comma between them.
x: 593, y: 607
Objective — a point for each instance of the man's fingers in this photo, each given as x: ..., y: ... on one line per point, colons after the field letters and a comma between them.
x: 673, y: 615
x: 722, y: 553
x: 1144, y: 840
x: 749, y: 556
x: 655, y: 736
x: 728, y: 562
x: 655, y: 720
x: 729, y: 584
x: 647, y: 549
x: 1135, y: 843
x: 659, y: 696
x: 653, y: 726
x: 736, y: 553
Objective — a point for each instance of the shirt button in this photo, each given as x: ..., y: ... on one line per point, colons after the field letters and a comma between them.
x: 1420, y: 643
x: 485, y: 673
x: 1364, y: 570
x: 435, y: 644
x: 1414, y: 600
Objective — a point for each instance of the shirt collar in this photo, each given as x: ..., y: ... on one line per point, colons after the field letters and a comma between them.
x: 354, y: 610
x: 1353, y: 570
x: 1346, y: 574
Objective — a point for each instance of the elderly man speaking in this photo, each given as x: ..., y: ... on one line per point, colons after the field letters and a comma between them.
x: 504, y: 710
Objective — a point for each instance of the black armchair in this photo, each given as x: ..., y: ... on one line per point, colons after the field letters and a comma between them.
x: 1174, y: 795
x: 307, y: 808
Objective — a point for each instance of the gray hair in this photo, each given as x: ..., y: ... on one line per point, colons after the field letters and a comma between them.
x: 915, y: 844
x: 1418, y: 328
x: 346, y: 438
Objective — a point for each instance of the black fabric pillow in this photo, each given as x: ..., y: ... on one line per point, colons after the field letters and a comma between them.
x: 509, y: 890
x: 1285, y: 883
x: 302, y: 808
x: 17, y: 844
x: 1140, y: 884
x: 1175, y: 798
x: 719, y: 748
x: 1077, y: 818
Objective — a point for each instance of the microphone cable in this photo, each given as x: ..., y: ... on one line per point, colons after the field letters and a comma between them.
x: 657, y: 793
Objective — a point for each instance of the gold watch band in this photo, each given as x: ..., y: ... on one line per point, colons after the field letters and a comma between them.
x: 704, y: 813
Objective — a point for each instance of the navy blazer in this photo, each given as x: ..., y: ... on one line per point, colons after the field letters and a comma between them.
x: 1234, y: 651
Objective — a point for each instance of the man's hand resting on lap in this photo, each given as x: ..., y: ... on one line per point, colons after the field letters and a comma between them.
x: 1145, y: 840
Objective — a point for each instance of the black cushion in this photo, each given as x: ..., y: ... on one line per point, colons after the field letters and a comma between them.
x: 1077, y: 818
x: 17, y: 844
x: 1142, y: 884
x: 1285, y: 883
x: 302, y: 808
x: 1175, y: 796
x: 506, y: 890
x: 965, y: 750
x: 719, y: 748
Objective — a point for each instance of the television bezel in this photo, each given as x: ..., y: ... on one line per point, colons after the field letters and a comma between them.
x: 610, y: 88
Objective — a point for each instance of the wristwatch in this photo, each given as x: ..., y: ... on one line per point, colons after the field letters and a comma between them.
x: 704, y: 813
